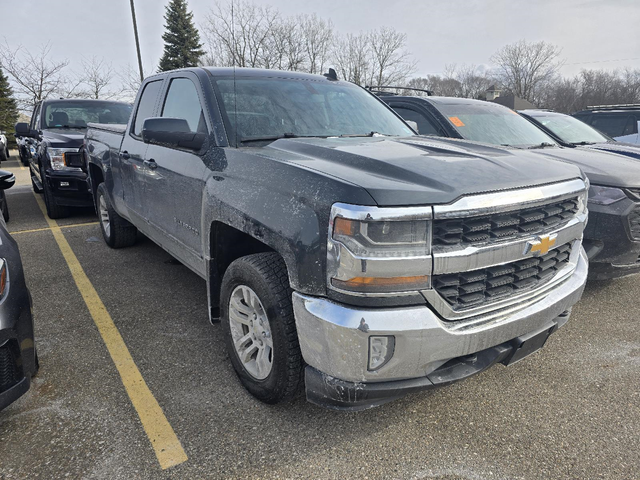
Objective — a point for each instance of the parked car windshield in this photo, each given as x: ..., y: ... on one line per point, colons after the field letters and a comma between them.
x: 77, y: 114
x: 571, y: 130
x: 269, y: 108
x: 495, y: 124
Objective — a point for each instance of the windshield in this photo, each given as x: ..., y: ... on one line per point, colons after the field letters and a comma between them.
x: 571, y: 130
x: 77, y: 114
x: 493, y: 124
x: 270, y: 108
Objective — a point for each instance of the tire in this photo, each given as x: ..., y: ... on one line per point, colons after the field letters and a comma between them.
x: 264, y: 275
x: 116, y: 231
x: 3, y: 155
x: 37, y: 365
x: 5, y: 208
x: 54, y: 211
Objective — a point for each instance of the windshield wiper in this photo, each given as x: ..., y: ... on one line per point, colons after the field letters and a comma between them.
x: 278, y: 137
x: 582, y: 143
x: 541, y: 145
x: 370, y: 134
x: 67, y: 126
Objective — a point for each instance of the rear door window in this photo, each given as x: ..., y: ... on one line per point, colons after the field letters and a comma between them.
x: 146, y: 105
x: 425, y: 126
x: 183, y: 102
x: 612, y: 124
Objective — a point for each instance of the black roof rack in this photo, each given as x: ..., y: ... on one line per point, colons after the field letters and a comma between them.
x: 371, y: 88
x: 624, y: 106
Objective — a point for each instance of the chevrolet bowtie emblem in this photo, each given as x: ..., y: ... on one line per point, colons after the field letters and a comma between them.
x: 541, y: 245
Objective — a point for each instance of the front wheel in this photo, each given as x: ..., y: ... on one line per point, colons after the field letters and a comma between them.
x: 53, y: 210
x: 259, y: 327
x: 116, y: 231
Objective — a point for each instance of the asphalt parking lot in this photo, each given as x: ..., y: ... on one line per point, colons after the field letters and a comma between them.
x: 570, y: 411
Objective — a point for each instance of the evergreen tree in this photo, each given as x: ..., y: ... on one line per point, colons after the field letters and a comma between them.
x: 182, y: 47
x: 8, y: 106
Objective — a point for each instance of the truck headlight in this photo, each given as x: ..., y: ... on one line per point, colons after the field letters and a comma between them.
x: 58, y: 158
x: 380, y: 251
x: 605, y: 195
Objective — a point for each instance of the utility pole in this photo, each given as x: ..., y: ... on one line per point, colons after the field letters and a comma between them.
x: 135, y: 32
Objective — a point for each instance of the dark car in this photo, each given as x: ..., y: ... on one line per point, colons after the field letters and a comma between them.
x: 620, y: 122
x: 58, y: 128
x: 568, y: 131
x: 612, y: 237
x: 18, y: 357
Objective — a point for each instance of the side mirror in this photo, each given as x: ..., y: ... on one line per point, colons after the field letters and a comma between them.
x: 412, y: 124
x: 171, y: 132
x: 7, y: 179
x: 23, y: 130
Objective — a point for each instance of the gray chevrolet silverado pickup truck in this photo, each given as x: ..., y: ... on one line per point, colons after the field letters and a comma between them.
x: 342, y: 252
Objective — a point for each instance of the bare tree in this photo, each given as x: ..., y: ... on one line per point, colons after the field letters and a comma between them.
x: 592, y: 87
x: 97, y: 78
x: 284, y: 46
x: 390, y: 62
x: 352, y: 58
x: 35, y: 76
x: 525, y: 67
x: 473, y: 82
x: 317, y: 35
x: 237, y: 33
x: 130, y: 81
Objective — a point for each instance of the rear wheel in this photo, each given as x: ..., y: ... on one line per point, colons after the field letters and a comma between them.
x: 259, y: 327
x: 54, y: 211
x: 116, y: 231
x: 3, y: 155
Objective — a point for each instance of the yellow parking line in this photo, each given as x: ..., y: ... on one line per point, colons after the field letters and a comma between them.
x: 59, y: 226
x: 167, y: 447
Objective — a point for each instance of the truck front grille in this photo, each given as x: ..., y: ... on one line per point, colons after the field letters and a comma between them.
x: 503, y: 226
x: 9, y: 371
x: 479, y: 287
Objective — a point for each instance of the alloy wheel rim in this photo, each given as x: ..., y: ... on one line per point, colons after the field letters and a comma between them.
x: 104, y: 217
x: 251, y: 332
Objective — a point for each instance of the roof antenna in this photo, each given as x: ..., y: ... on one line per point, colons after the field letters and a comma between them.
x: 331, y: 75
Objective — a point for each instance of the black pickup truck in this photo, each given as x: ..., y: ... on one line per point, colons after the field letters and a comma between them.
x: 612, y: 238
x: 57, y: 129
x: 341, y: 251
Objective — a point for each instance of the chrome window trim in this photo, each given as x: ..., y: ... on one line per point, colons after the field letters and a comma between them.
x: 509, y: 200
x: 503, y: 307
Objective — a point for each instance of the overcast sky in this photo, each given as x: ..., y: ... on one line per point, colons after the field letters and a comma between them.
x: 592, y: 33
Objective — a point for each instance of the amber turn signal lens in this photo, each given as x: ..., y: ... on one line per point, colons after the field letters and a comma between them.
x: 382, y: 284
x: 343, y: 226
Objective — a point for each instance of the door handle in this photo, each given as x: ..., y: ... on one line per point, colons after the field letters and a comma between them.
x: 125, y: 155
x: 151, y: 163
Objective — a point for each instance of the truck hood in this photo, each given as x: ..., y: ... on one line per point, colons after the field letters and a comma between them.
x: 64, y: 138
x: 602, y: 168
x: 417, y: 170
x: 627, y: 149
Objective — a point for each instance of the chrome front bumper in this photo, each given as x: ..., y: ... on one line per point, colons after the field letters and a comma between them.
x: 332, y: 342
